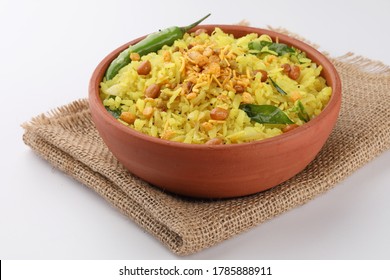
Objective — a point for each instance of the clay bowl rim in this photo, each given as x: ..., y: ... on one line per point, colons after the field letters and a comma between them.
x: 314, y: 55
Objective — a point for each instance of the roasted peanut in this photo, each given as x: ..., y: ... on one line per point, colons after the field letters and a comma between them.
x: 127, y: 117
x: 239, y: 88
x: 286, y: 68
x: 214, y: 141
x: 219, y: 114
x: 295, y: 72
x: 148, y: 112
x: 153, y: 91
x: 264, y: 75
x: 292, y: 71
x: 289, y: 127
x: 200, y: 31
x: 144, y: 68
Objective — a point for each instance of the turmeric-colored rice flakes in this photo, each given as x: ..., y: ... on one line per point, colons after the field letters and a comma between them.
x: 217, y: 89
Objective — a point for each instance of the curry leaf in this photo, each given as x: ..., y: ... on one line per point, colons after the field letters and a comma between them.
x: 302, y: 114
x: 115, y: 113
x: 265, y: 114
x: 279, y: 48
x: 278, y: 88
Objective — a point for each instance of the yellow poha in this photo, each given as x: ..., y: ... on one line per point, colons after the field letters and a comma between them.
x: 199, y: 90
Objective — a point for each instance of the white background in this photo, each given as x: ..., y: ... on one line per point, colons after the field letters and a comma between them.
x: 48, y: 50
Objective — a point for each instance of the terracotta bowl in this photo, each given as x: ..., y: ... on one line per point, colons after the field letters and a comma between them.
x: 218, y: 171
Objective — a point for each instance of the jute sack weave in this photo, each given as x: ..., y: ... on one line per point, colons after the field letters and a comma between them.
x: 67, y: 138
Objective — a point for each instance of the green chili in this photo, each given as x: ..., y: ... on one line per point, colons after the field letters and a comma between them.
x: 151, y: 43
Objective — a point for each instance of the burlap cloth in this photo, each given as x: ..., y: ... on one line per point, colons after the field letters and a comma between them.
x: 67, y: 138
